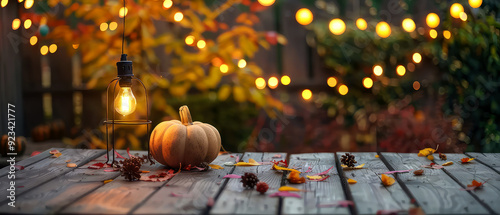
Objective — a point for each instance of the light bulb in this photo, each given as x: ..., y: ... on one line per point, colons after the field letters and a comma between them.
x: 125, y: 101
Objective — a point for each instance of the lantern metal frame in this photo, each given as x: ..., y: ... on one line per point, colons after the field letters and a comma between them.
x: 126, y: 77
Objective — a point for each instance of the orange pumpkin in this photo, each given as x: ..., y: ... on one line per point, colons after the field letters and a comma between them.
x: 175, y: 143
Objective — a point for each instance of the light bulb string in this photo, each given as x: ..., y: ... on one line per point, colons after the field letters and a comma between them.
x: 124, y: 16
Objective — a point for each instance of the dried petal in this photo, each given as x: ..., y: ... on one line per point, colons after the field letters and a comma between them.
x: 447, y: 163
x: 466, y: 160
x: 71, y: 165
x: 232, y: 176
x: 215, y: 166
x: 351, y: 181
x: 418, y: 172
x: 325, y: 172
x: 288, y: 188
x: 387, y: 180
x: 283, y: 168
x: 107, y: 181
x: 356, y: 167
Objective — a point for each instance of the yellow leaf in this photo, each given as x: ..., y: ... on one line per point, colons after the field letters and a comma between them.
x: 215, y: 166
x: 57, y: 155
x: 356, y: 167
x: 288, y: 188
x: 430, y: 157
x: 387, y: 180
x: 425, y: 152
x: 283, y: 168
x: 314, y: 177
x: 377, y: 156
x: 447, y: 163
x: 107, y: 181
x: 251, y: 162
x: 466, y: 160
x: 351, y: 181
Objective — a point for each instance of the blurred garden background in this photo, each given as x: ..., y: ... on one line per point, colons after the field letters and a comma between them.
x: 271, y: 75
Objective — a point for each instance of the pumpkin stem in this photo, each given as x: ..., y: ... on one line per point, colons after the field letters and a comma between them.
x: 185, y: 115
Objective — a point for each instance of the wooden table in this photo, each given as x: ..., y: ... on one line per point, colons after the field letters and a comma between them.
x: 47, y: 185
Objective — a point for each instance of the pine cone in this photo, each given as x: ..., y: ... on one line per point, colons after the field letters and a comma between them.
x: 131, y: 168
x: 249, y: 180
x: 442, y: 156
x: 262, y: 187
x: 348, y: 160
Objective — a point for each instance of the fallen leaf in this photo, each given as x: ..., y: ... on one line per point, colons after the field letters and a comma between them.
x: 145, y: 171
x: 325, y: 172
x: 466, y: 160
x: 251, y: 162
x: 322, y: 178
x: 447, y: 163
x: 285, y: 194
x: 71, y: 165
x: 387, y: 180
x: 341, y: 203
x: 377, y: 156
x: 107, y: 181
x: 356, y: 167
x: 418, y: 172
x: 476, y: 184
x: 283, y: 168
x: 280, y: 163
x: 35, y: 153
x: 314, y: 177
x: 432, y: 166
x: 215, y: 166
x: 351, y: 181
x: 430, y: 157
x: 398, y: 171
x: 55, y: 151
x: 425, y: 152
x: 288, y: 188
x: 57, y: 155
x: 19, y: 167
x: 232, y: 176
x: 96, y: 165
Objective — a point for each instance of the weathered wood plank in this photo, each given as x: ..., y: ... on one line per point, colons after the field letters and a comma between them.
x: 29, y: 161
x: 48, y: 169
x: 490, y: 159
x: 465, y: 173
x: 63, y: 190
x: 117, y: 197
x: 436, y: 192
x: 237, y: 200
x: 369, y: 194
x: 194, y: 187
x: 323, y: 192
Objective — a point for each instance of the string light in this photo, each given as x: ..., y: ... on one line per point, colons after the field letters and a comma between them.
x: 4, y: 3
x: 285, y: 80
x: 447, y: 34
x: 216, y: 61
x: 167, y: 4
x: 20, y: 1
x: 383, y: 29
x: 417, y: 57
x: 178, y: 16
x: 44, y: 50
x: 367, y: 83
x: 343, y: 89
x: 416, y: 85
x: 432, y: 20
x: 28, y: 4
x: 260, y: 83
x: 361, y: 24
x: 224, y: 68
x: 433, y: 33
x: 76, y: 45
x: 189, y: 40
x: 337, y: 26
x: 463, y: 16
x: 377, y: 70
x: 400, y: 70
x: 201, y: 44
x: 104, y: 26
x: 475, y: 3
x: 123, y: 12
x: 332, y: 82
x: 304, y: 16
x: 27, y: 23
x: 266, y: 2
x: 16, y: 23
x: 52, y: 48
x: 306, y: 94
x: 113, y: 26
x: 272, y: 82
x: 456, y: 9
x: 242, y: 63
x: 408, y: 25
x: 33, y: 40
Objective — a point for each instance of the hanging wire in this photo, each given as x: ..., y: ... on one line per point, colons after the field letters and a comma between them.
x: 124, y: 15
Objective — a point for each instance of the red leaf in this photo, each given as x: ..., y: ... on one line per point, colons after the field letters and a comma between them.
x: 35, y: 153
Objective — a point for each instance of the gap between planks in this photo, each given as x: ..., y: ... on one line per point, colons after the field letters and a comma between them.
x: 482, y: 162
x: 345, y: 185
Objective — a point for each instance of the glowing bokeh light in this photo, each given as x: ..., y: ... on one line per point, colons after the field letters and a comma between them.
x: 432, y: 20
x: 285, y: 80
x: 304, y: 16
x: 337, y: 26
x: 332, y: 82
x: 307, y: 94
x: 417, y: 58
x: 361, y: 24
x: 367, y: 82
x: 260, y: 83
x: 408, y: 25
x: 377, y: 70
x: 383, y: 29
x: 401, y: 70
